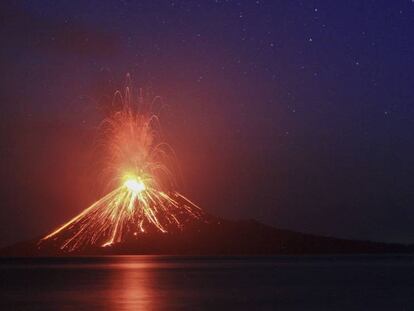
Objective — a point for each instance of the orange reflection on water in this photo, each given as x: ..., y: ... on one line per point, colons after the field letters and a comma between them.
x: 133, y: 284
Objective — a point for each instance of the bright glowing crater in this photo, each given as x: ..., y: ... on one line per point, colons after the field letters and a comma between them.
x: 134, y: 185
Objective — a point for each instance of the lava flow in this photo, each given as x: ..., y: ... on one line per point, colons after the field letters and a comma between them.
x: 138, y: 166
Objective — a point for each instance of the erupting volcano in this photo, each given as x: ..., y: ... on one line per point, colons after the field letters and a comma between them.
x: 139, y: 168
x: 142, y: 211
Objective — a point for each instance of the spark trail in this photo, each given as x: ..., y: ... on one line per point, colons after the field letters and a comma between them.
x: 138, y: 166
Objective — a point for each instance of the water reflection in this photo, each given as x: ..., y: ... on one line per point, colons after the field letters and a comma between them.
x: 132, y: 285
x: 203, y: 283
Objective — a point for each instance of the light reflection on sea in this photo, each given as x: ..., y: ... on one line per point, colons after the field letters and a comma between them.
x: 208, y: 283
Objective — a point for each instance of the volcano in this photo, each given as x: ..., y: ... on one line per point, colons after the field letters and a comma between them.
x: 144, y: 213
x: 131, y: 210
x: 209, y: 236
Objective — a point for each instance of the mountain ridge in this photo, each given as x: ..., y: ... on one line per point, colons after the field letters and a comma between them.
x: 216, y: 236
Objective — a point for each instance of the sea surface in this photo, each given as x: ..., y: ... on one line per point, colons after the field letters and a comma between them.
x: 208, y: 283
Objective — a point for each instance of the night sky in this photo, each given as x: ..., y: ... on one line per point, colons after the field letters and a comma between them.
x: 296, y: 113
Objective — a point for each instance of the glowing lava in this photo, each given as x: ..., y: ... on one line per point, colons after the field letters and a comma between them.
x: 134, y: 185
x: 144, y: 200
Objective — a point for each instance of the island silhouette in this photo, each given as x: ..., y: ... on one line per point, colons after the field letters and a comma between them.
x: 214, y: 236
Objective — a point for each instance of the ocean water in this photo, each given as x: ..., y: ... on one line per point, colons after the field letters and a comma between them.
x: 208, y: 283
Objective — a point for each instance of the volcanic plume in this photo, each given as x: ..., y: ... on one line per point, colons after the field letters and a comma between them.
x: 138, y: 168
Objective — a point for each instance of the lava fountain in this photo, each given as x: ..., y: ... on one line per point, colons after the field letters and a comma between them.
x: 138, y: 165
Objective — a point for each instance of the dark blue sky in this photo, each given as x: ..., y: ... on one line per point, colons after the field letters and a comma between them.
x: 296, y: 113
